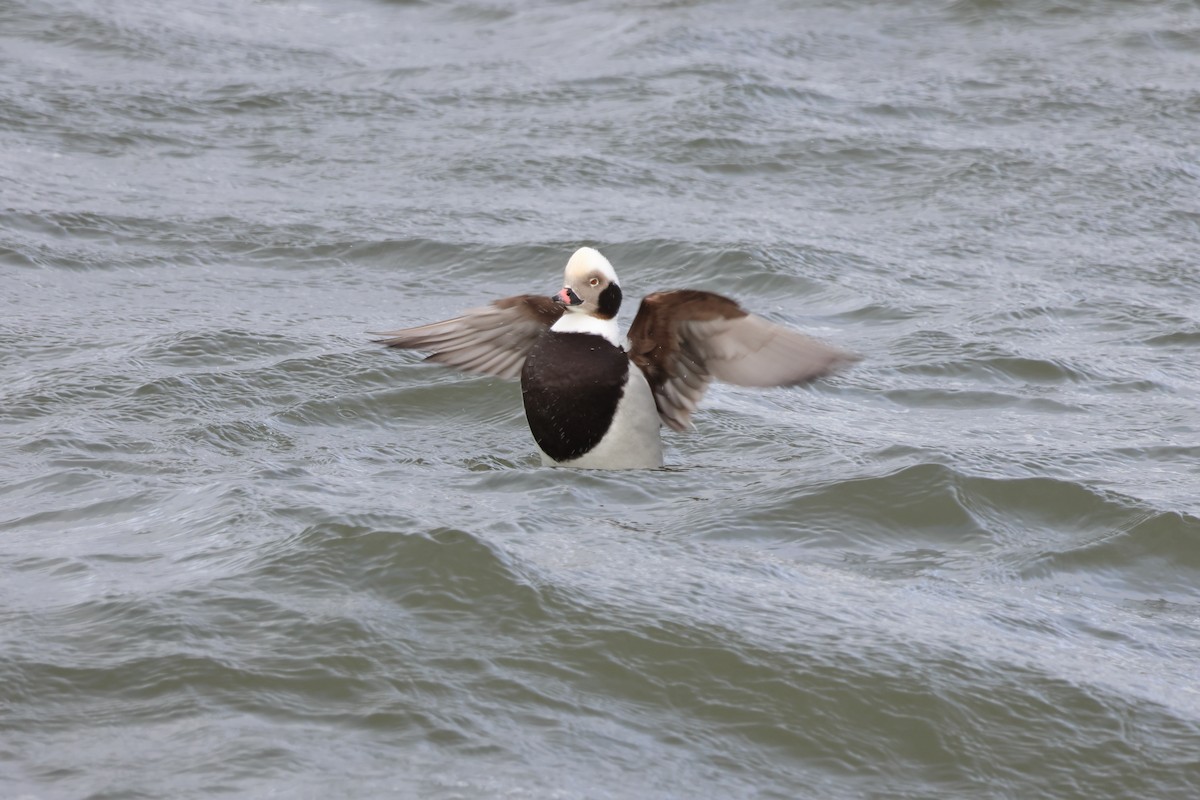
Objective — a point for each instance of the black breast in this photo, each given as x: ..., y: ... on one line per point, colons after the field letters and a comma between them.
x: 571, y: 384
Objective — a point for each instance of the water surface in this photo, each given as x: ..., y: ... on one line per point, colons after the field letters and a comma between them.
x: 245, y: 553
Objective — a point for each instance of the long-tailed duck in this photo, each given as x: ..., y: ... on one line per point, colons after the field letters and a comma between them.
x: 593, y: 401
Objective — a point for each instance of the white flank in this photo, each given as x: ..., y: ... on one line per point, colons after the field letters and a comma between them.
x: 633, y: 440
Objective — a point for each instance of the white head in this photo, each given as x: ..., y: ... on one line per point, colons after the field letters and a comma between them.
x: 590, y: 285
x: 592, y: 296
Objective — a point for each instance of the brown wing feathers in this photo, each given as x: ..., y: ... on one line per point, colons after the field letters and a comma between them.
x: 492, y: 340
x: 683, y: 339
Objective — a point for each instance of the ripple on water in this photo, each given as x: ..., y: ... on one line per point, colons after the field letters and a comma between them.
x: 197, y: 350
x: 932, y: 518
x: 247, y: 553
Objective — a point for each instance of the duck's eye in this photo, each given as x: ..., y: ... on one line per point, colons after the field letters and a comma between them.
x: 594, y: 282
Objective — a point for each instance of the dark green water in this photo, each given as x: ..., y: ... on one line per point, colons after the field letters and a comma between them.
x: 243, y: 553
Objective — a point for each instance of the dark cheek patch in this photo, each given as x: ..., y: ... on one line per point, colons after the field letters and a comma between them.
x: 610, y: 301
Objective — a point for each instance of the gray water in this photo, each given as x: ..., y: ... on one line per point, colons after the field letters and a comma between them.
x: 245, y: 553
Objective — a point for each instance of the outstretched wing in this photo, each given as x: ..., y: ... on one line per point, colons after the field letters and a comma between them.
x: 492, y: 340
x: 683, y: 339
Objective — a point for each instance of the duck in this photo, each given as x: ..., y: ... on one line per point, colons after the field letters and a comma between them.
x: 595, y: 400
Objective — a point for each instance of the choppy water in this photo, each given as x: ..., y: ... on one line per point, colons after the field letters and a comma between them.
x: 244, y: 553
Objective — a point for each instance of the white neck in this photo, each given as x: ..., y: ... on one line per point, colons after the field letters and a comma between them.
x: 576, y: 322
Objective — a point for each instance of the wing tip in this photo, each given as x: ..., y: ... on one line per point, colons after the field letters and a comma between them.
x: 390, y: 338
